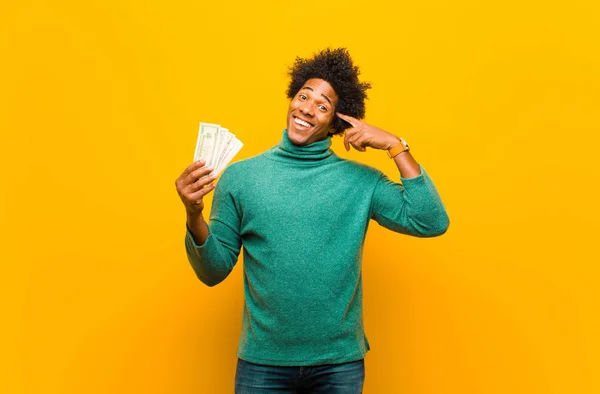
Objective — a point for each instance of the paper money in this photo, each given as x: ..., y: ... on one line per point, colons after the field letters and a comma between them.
x: 216, y: 145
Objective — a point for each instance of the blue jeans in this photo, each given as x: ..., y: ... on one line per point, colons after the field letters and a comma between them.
x: 346, y: 378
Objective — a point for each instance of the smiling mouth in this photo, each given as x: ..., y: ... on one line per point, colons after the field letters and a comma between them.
x: 303, y: 124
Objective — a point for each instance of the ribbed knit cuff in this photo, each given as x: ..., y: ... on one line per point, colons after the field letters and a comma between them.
x: 415, y: 181
x: 193, y: 241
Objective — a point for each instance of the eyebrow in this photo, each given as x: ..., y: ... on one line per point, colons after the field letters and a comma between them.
x: 326, y: 98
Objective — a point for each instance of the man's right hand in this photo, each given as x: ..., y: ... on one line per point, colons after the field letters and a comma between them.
x: 192, y: 185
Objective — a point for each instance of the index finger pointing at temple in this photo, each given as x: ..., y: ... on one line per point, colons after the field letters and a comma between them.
x: 353, y: 121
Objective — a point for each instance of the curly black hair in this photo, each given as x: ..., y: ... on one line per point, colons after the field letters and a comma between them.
x: 334, y: 66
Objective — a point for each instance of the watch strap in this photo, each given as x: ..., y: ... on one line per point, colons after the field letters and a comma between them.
x: 397, y: 149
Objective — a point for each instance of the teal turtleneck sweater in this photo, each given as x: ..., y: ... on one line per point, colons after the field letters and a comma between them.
x: 301, y: 213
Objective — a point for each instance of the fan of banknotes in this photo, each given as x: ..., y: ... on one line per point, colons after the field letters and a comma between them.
x: 216, y: 145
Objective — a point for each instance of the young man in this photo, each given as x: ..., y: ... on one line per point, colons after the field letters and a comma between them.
x: 301, y: 213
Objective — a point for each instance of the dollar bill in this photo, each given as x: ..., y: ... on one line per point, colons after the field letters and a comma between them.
x: 216, y: 145
x: 206, y: 141
x: 232, y: 149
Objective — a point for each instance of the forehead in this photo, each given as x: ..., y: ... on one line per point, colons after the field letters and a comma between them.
x: 320, y: 86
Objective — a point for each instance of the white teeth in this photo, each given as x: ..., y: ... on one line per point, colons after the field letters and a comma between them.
x: 301, y: 122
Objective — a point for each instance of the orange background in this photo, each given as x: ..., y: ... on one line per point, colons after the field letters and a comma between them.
x: 99, y: 109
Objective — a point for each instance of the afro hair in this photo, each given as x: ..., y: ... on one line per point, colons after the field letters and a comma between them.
x: 334, y: 66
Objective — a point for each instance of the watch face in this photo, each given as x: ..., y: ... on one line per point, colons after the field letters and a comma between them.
x: 403, y: 142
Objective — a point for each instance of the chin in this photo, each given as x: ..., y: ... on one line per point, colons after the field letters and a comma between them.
x: 297, y: 139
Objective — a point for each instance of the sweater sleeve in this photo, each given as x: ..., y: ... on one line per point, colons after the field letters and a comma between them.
x: 213, y: 261
x: 412, y: 208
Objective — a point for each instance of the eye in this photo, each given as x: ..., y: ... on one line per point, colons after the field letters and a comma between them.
x: 323, y: 108
x: 302, y: 97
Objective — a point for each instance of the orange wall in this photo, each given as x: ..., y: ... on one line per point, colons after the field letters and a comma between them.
x: 99, y: 108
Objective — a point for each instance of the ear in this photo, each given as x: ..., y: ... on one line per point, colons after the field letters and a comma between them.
x: 330, y: 128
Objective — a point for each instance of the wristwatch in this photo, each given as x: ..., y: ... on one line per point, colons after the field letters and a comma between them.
x: 397, y: 149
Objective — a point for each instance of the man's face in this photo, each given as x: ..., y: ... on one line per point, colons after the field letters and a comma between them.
x: 311, y: 112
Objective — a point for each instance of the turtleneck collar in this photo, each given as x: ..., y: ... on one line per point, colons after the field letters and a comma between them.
x: 314, y: 152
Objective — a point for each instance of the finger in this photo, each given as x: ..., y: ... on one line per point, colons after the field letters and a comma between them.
x: 200, y: 183
x: 199, y: 173
x: 349, y: 136
x: 346, y: 142
x: 361, y: 140
x: 194, y: 166
x: 358, y: 147
x: 353, y: 121
x: 182, y: 180
x: 353, y: 136
x: 361, y: 145
x: 352, y: 133
x: 197, y: 196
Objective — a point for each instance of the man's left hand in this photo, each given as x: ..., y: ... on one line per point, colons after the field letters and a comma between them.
x: 363, y: 135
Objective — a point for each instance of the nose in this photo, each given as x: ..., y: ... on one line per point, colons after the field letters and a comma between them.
x: 306, y: 108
